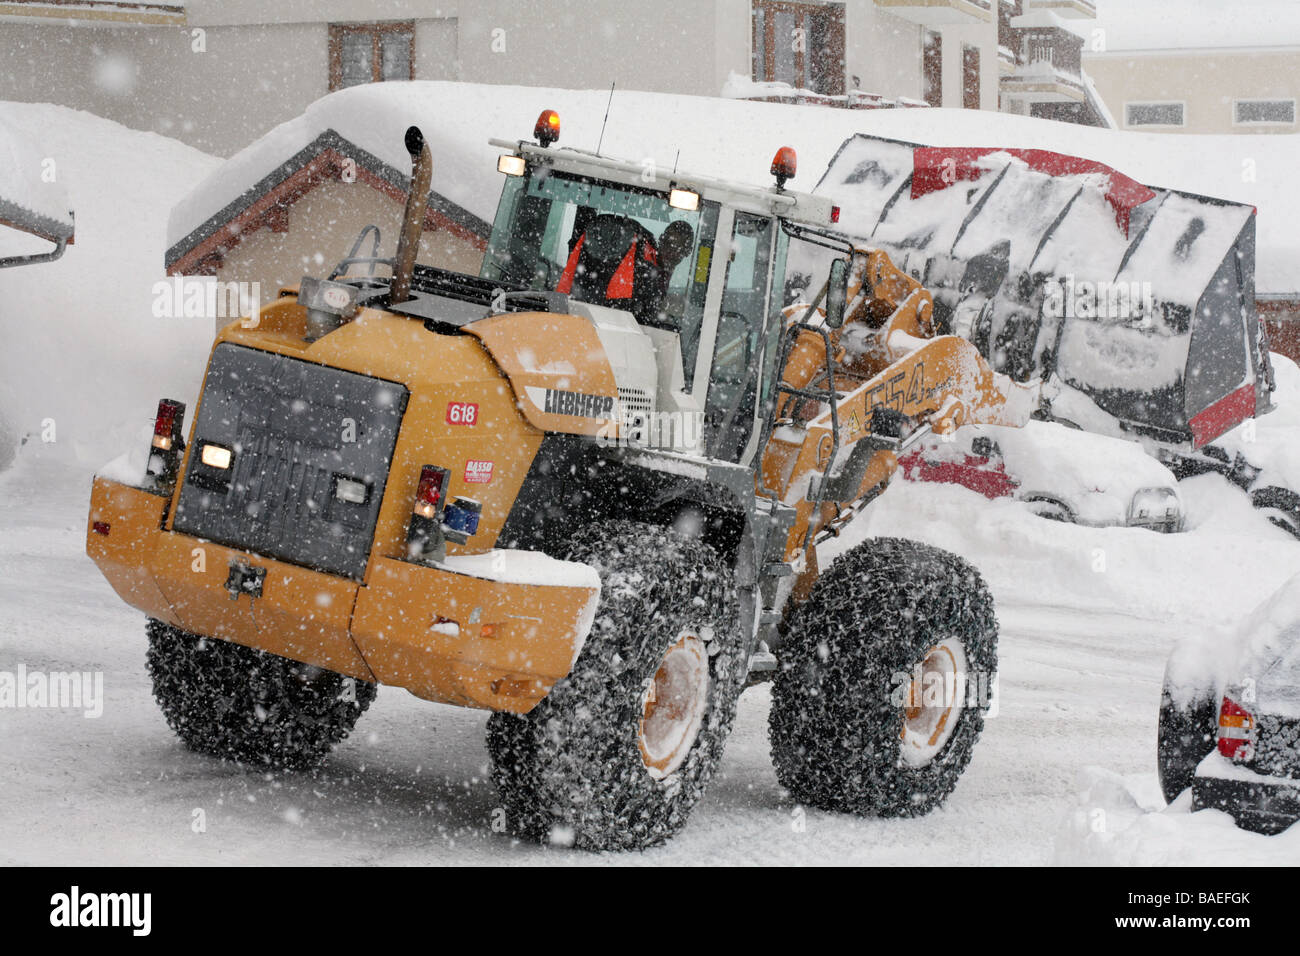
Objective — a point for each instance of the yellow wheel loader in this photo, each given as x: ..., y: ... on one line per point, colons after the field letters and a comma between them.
x: 581, y: 490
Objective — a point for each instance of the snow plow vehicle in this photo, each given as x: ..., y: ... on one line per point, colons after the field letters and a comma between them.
x: 580, y: 490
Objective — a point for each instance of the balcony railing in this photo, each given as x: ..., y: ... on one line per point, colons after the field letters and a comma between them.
x: 1073, y: 9
x: 1041, y: 82
x: 853, y: 100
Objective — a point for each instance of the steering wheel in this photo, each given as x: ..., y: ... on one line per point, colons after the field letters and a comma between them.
x: 512, y: 269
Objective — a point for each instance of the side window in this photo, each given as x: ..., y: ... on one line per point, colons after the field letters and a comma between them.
x: 733, y: 383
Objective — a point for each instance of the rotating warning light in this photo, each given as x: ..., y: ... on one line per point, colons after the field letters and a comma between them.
x: 783, y: 165
x: 547, y: 130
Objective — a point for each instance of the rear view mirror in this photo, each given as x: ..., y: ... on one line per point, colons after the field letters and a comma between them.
x: 837, y: 293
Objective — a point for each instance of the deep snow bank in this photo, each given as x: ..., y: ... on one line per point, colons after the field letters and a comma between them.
x: 84, y: 360
x: 1228, y: 561
x: 31, y: 195
x: 1122, y: 820
x: 736, y: 139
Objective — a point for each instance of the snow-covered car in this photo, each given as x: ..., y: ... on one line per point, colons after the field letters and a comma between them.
x: 1230, y: 718
x: 1062, y: 473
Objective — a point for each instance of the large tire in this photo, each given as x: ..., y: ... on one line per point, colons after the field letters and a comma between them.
x: 245, y: 705
x: 573, y: 770
x: 840, y: 705
x: 1186, y: 733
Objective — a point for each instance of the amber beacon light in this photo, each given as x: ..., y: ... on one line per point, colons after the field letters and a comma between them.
x: 783, y: 165
x: 547, y: 130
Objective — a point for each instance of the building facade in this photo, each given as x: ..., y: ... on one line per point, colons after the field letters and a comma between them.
x: 1230, y: 68
x: 216, y: 74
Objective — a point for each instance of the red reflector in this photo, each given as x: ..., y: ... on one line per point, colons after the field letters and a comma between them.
x: 547, y: 130
x: 100, y: 527
x: 433, y: 485
x: 835, y: 213
x: 1236, y: 730
x: 783, y: 165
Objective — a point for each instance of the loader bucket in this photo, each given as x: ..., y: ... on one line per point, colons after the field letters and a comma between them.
x: 1137, y: 302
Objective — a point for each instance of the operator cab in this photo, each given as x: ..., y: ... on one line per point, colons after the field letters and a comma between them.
x: 698, y: 265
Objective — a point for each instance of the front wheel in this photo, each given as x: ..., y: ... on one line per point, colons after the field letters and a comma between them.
x: 885, y: 678
x: 620, y: 751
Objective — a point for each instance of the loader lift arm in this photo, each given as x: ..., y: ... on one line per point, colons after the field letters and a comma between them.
x: 851, y: 397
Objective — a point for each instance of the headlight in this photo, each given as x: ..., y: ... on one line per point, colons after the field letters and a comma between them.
x: 1156, y: 508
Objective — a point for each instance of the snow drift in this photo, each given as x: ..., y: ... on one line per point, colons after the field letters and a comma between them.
x: 84, y: 360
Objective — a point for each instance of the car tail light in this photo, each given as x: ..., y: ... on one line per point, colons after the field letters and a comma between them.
x: 168, y: 443
x: 1236, y: 731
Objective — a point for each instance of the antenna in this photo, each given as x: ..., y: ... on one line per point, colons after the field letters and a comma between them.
x: 676, y: 159
x: 601, y: 141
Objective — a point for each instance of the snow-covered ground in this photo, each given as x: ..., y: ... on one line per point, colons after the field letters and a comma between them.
x: 1064, y: 773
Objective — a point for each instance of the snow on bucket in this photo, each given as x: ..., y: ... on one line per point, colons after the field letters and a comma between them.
x: 1136, y: 302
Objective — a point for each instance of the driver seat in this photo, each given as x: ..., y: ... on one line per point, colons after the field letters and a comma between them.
x: 615, y: 263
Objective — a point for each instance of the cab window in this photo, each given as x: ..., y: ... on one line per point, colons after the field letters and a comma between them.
x: 742, y: 322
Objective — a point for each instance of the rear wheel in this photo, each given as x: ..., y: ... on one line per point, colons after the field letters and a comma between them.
x: 246, y: 705
x: 884, y: 681
x: 620, y: 751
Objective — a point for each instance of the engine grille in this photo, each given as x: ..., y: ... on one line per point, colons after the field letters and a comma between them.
x: 636, y: 406
x: 307, y: 442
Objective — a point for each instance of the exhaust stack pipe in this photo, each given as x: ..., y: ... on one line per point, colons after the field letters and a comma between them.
x: 408, y: 243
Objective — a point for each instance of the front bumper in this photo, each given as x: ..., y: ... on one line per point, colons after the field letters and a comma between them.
x: 1256, y: 802
x: 444, y: 635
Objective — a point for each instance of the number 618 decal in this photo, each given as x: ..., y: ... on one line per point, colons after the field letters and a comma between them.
x: 462, y: 413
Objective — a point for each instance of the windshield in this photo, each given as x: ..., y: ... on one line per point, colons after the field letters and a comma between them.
x: 604, y: 244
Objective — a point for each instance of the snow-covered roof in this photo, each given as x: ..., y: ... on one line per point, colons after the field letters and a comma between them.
x: 95, y: 12
x: 736, y: 139
x: 1131, y: 25
x: 32, y: 197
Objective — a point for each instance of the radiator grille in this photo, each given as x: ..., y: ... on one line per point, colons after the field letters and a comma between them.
x: 297, y: 430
